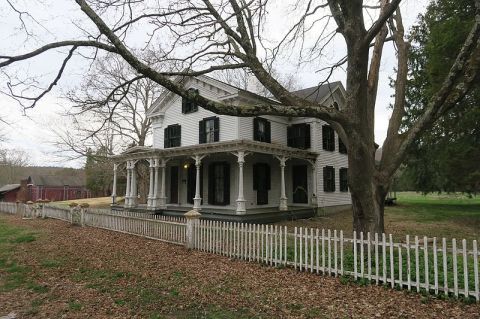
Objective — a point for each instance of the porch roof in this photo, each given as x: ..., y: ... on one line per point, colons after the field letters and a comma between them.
x: 139, y: 152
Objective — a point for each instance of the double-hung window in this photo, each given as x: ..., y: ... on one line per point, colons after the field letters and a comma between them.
x: 172, y: 136
x: 209, y: 130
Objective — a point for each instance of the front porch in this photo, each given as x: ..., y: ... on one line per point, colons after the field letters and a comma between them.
x: 235, y: 180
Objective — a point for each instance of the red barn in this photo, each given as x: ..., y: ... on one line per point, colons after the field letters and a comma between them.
x: 53, y: 188
x: 8, y: 193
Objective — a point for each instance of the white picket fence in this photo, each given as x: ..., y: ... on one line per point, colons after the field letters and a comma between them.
x: 8, y: 207
x: 422, y: 264
x: 429, y: 265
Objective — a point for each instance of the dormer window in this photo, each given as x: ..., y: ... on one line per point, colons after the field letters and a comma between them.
x: 189, y: 106
x: 261, y: 130
x: 209, y: 130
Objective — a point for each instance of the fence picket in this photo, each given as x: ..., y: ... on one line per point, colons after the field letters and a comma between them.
x: 445, y: 269
x: 475, y: 271
x: 435, y: 265
x: 455, y: 266
x: 417, y: 265
x: 465, y: 267
x: 409, y: 268
x: 425, y: 255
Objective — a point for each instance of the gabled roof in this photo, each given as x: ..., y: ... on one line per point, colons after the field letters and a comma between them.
x: 9, y: 187
x: 319, y: 93
x: 57, y: 181
x: 315, y: 94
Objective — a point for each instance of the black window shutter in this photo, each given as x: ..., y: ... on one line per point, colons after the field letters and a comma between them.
x: 307, y: 135
x: 268, y: 132
x: 194, y: 105
x: 166, y: 137
x: 201, y: 132
x: 267, y: 173
x: 255, y: 176
x: 216, y: 132
x: 325, y: 179
x: 179, y: 135
x: 333, y: 178
x: 184, y: 105
x: 211, y: 183
x: 290, y: 142
x: 255, y: 129
x: 226, y: 189
x: 324, y: 137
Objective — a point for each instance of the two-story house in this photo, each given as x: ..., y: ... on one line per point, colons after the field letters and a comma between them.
x: 240, y: 168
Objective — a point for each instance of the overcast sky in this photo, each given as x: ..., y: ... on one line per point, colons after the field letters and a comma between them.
x: 33, y: 131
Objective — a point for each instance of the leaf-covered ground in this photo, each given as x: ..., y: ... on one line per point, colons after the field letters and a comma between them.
x: 49, y: 269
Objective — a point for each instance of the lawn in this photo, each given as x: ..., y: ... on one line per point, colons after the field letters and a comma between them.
x: 49, y: 269
x: 97, y: 202
x: 444, y: 215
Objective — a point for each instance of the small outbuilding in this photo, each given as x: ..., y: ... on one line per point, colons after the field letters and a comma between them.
x: 9, y: 192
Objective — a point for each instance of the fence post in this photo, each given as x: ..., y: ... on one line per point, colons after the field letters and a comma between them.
x: 193, y: 218
x: 29, y: 210
x: 83, y: 208
x: 76, y: 214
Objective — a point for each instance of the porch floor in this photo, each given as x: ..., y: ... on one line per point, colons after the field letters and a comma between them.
x: 254, y: 215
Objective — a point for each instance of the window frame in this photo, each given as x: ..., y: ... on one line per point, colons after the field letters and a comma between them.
x: 329, y: 181
x: 343, y: 176
x: 298, y: 136
x: 175, y: 140
x: 202, y: 133
x: 189, y: 106
x: 264, y: 136
x: 328, y: 138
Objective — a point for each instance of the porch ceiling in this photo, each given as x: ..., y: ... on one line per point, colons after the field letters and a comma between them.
x: 217, y: 147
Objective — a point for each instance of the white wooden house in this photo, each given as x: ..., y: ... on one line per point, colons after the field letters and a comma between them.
x: 239, y: 168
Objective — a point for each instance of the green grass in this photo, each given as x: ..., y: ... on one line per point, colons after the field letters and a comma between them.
x: 433, y: 215
x: 16, y: 275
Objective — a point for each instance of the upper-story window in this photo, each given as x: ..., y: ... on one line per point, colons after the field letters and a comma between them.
x: 341, y: 146
x: 298, y: 135
x: 172, y: 136
x: 328, y: 138
x: 328, y: 179
x: 209, y: 130
x: 261, y: 130
x: 343, y: 179
x: 189, y: 106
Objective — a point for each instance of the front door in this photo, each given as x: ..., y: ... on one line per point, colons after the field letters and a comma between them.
x: 174, y: 184
x: 219, y: 183
x: 300, y: 185
x: 261, y: 182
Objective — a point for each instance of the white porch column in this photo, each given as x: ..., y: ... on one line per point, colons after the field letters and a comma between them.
x: 241, y: 209
x: 151, y: 180
x: 162, y: 200
x: 314, y: 182
x: 133, y: 187
x: 128, y: 188
x: 114, y: 187
x: 197, y: 200
x: 155, y: 185
x: 283, y: 197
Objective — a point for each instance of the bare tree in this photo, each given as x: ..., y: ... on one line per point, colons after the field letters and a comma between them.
x: 200, y: 37
x: 11, y: 163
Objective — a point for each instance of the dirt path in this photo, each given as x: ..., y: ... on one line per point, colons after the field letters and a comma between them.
x: 90, y: 273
